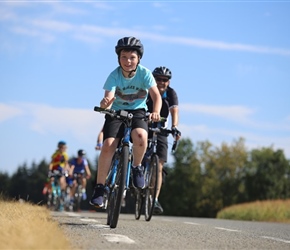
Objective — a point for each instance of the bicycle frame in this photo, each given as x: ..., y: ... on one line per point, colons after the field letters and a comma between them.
x: 118, y: 177
x: 151, y: 171
x: 111, y: 177
x: 55, y: 199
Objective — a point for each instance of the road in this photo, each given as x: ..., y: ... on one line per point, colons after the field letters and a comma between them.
x: 88, y: 230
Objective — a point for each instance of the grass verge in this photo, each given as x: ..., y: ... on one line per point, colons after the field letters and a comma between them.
x: 271, y: 211
x: 27, y: 226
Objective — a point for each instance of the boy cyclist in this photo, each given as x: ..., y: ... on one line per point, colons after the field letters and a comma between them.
x: 126, y: 88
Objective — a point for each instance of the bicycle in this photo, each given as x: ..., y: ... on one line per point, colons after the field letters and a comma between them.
x: 118, y: 178
x: 151, y: 170
x: 78, y: 195
x: 55, y: 200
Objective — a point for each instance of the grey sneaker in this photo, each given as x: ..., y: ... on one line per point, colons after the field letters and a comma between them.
x: 138, y: 177
x: 97, y: 198
x: 157, y: 208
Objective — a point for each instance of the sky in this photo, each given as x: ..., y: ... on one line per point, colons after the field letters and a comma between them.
x: 230, y: 63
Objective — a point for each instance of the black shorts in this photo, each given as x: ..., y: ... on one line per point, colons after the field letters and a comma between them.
x: 162, y: 147
x: 115, y: 128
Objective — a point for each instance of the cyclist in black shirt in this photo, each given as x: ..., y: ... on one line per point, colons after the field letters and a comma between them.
x: 162, y: 77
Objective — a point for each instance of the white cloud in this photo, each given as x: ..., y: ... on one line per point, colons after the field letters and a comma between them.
x: 52, y: 25
x: 65, y: 9
x: 235, y: 113
x: 217, y: 136
x: 241, y: 115
x: 103, y: 6
x: 82, y: 124
x: 8, y: 112
x: 93, y: 30
x: 44, y: 36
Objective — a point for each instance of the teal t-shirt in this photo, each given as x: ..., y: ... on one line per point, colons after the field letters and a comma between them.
x: 130, y: 93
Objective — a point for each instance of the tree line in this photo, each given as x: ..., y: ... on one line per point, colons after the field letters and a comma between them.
x: 202, y: 179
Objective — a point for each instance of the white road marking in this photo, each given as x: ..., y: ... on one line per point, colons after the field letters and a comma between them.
x: 227, y: 229
x: 192, y: 223
x: 118, y: 238
x: 276, y: 239
x: 89, y: 220
x: 167, y: 220
x: 100, y: 226
x: 72, y: 214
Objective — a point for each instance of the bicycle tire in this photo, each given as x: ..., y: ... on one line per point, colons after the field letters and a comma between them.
x: 49, y: 200
x: 108, y: 189
x: 151, y: 189
x: 139, y: 200
x: 118, y: 189
x: 56, y: 200
x: 110, y: 207
x: 78, y: 198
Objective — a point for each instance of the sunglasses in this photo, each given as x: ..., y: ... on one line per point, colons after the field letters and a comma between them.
x: 161, y: 80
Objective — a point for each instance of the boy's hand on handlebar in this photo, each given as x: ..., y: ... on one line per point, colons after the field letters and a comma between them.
x: 155, y: 117
x: 106, y: 102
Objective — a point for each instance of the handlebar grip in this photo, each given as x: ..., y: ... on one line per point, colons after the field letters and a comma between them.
x: 174, y: 146
x: 98, y: 109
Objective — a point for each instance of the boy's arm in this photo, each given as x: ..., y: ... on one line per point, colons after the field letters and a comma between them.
x: 108, y: 99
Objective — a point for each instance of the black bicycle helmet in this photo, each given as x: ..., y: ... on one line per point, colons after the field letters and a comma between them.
x: 130, y: 43
x: 162, y: 71
x: 61, y: 143
x: 81, y: 152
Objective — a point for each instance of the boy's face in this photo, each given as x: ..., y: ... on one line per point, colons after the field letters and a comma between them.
x: 162, y: 83
x: 129, y: 60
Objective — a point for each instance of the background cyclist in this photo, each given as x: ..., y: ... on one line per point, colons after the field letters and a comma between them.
x: 80, y: 165
x: 59, y: 162
x: 162, y: 76
x: 126, y: 88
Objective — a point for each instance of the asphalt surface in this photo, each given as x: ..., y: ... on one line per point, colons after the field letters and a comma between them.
x: 88, y: 230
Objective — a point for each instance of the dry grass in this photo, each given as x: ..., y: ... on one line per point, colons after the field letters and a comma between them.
x: 272, y: 211
x: 27, y: 226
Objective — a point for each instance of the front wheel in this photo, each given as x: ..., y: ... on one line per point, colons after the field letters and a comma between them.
x: 151, y: 190
x: 139, y: 200
x: 78, y: 198
x: 116, y: 195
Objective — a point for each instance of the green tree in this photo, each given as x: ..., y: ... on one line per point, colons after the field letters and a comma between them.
x: 181, y: 189
x: 4, y: 184
x: 267, y: 175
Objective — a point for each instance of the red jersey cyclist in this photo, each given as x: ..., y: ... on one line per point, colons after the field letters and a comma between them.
x: 59, y: 162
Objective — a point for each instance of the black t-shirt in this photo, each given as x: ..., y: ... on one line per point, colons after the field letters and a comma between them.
x: 169, y: 99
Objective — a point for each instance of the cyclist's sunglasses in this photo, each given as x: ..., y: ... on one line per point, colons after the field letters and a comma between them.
x: 161, y: 79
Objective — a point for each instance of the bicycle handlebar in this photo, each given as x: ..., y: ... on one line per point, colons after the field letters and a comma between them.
x: 120, y: 113
x: 126, y: 114
x: 166, y: 132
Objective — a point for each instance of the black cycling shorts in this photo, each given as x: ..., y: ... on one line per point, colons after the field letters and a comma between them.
x: 162, y: 147
x: 115, y: 128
